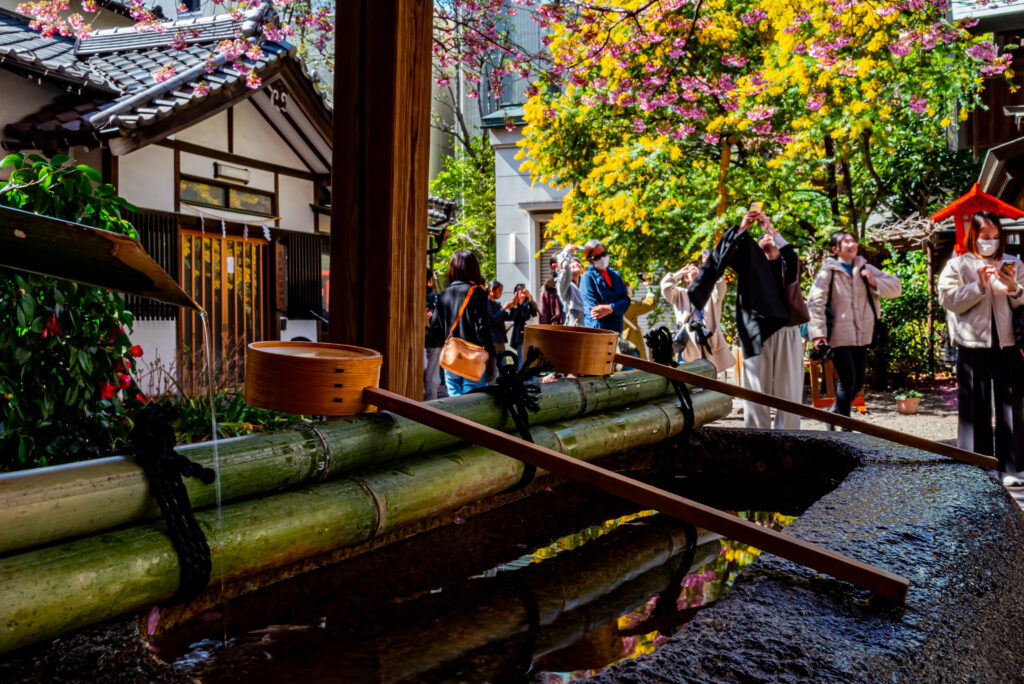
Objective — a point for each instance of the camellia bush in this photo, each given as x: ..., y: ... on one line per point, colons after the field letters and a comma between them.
x: 67, y: 390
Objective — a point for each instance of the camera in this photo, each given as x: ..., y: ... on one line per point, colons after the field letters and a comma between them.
x: 822, y: 353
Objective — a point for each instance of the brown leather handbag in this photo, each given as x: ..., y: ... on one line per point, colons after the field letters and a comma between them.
x: 463, y: 358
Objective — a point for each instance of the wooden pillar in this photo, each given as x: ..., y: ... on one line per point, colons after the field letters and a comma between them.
x: 379, y: 184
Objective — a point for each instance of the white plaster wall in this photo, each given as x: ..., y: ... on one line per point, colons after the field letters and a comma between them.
x: 158, y: 340
x: 211, y: 133
x: 145, y: 178
x: 305, y: 329
x: 293, y: 204
x: 255, y: 138
x: 93, y: 157
x: 202, y: 167
x: 517, y: 242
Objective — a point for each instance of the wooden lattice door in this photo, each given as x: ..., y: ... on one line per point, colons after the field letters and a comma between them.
x: 225, y: 275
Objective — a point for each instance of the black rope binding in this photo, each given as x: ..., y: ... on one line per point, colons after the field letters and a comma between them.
x: 667, y: 599
x: 151, y: 443
x: 659, y: 341
x: 514, y: 393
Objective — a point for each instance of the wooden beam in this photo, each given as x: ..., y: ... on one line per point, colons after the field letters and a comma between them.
x: 867, y: 427
x: 379, y: 198
x: 881, y: 582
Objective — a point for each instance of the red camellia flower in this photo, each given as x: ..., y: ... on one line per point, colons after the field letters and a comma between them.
x: 141, y: 397
x: 135, y: 351
x: 119, y: 366
x: 107, y: 390
x: 52, y: 328
x: 123, y: 381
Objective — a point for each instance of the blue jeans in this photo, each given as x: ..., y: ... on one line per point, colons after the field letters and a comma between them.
x: 458, y: 385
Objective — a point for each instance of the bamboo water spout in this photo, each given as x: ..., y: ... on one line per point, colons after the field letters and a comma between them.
x: 49, y: 504
x: 56, y: 589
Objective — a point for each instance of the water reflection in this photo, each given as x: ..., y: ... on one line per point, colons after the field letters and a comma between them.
x: 565, y: 611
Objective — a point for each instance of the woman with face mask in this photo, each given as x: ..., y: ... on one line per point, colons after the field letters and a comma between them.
x: 605, y: 297
x: 853, y: 287
x: 979, y: 289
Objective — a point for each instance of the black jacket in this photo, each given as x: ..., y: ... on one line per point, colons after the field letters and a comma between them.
x: 475, y: 324
x: 760, y: 308
x: 498, y: 317
x: 521, y: 314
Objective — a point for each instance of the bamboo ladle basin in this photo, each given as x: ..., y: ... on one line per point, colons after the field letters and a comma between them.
x: 312, y: 378
x: 861, y: 574
x: 572, y: 350
x: 868, y: 428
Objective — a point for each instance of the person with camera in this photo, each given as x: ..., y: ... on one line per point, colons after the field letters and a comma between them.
x: 567, y: 282
x: 779, y: 369
x: 462, y: 314
x: 499, y: 315
x: 605, y: 297
x: 844, y: 310
x: 523, y: 309
x: 979, y: 290
x: 698, y: 333
x: 551, y: 312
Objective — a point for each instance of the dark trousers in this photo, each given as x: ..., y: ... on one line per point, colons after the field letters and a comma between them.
x: 983, y: 375
x: 849, y: 363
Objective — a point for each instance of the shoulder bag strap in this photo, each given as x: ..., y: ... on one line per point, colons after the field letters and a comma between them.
x: 831, y: 279
x: 462, y: 310
x: 871, y: 300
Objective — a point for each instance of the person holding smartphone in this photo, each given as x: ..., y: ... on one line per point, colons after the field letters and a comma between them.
x: 523, y: 309
x: 979, y: 290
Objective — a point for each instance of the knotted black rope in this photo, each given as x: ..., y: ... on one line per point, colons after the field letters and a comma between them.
x: 659, y: 341
x: 667, y: 599
x: 151, y: 443
x: 516, y: 396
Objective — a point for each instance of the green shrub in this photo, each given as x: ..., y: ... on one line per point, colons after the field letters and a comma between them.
x: 906, y: 318
x: 66, y: 363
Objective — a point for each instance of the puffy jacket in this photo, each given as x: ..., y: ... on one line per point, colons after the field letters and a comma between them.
x: 568, y: 291
x: 550, y: 305
x: 721, y: 356
x: 854, y: 321
x: 970, y: 310
x: 475, y: 324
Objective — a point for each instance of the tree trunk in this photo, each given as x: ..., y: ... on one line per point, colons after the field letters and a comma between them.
x: 45, y: 505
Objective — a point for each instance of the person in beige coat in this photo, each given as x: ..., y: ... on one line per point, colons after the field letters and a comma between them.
x: 979, y: 290
x: 673, y: 288
x: 854, y: 287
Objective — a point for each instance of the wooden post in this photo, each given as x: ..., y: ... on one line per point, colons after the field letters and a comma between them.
x: 931, y: 308
x: 867, y: 427
x: 723, y: 169
x: 865, y: 576
x: 379, y: 185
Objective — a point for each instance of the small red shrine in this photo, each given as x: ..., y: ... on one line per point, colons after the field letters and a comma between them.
x: 974, y: 201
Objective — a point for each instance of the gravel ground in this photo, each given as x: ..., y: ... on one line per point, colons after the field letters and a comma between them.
x: 935, y: 417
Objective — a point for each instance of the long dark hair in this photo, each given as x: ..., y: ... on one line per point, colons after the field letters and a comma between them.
x: 465, y: 267
x: 978, y: 221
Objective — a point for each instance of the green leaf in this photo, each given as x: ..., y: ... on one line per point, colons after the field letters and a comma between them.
x: 22, y: 355
x: 15, y: 158
x: 90, y: 173
x: 60, y: 159
x: 85, y: 361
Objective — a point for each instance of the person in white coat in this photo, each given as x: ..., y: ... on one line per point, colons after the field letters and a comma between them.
x: 979, y: 290
x: 673, y: 288
x: 567, y: 284
x: 779, y: 369
x: 853, y: 287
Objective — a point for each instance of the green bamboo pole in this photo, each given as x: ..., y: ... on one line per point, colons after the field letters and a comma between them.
x: 56, y: 589
x: 39, y: 507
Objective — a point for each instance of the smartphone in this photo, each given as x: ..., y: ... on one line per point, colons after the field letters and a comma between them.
x: 757, y: 206
x: 1007, y: 268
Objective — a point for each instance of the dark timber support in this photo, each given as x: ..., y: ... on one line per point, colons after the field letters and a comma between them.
x: 379, y: 186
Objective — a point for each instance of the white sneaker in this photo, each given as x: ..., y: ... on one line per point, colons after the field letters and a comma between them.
x: 1011, y: 479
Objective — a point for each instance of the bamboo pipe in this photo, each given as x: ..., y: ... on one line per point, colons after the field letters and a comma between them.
x: 39, y: 507
x: 866, y: 427
x: 56, y: 589
x: 881, y: 582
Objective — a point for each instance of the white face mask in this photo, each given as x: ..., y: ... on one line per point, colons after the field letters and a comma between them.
x: 602, y: 263
x: 987, y: 247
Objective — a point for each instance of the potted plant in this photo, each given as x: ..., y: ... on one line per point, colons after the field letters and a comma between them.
x: 906, y: 401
